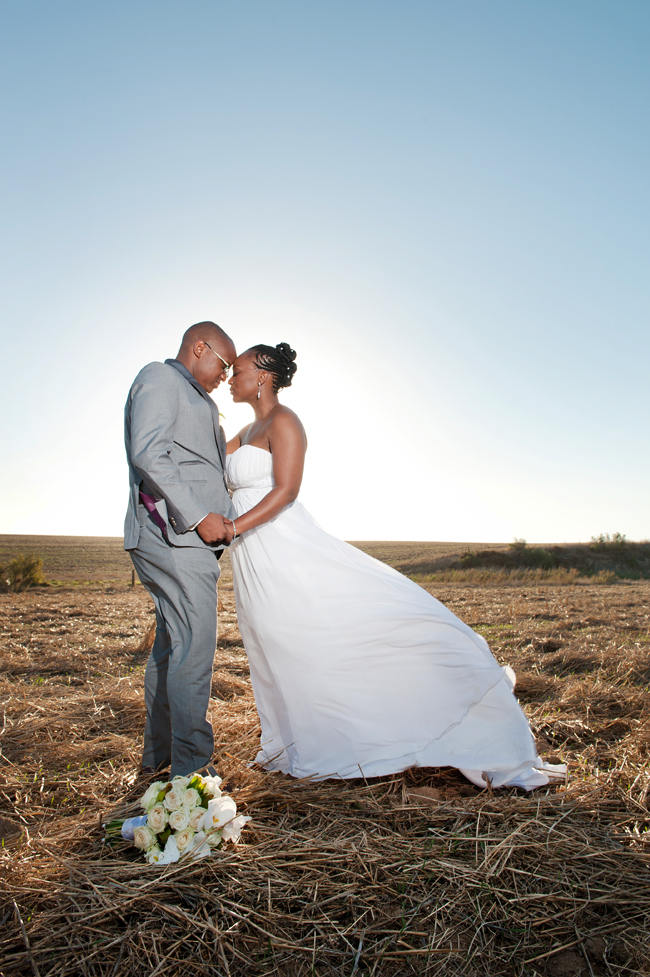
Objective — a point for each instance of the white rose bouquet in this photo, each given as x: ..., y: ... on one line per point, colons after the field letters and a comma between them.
x: 187, y: 816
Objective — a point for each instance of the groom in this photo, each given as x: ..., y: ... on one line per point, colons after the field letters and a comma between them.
x: 175, y: 533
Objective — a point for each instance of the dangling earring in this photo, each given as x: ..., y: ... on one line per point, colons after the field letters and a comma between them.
x: 259, y: 389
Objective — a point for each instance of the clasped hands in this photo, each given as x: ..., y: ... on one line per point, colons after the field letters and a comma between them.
x: 215, y: 529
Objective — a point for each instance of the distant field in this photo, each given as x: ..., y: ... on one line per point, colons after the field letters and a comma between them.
x: 603, y: 560
x: 398, y: 554
x: 99, y: 562
x: 418, y: 558
x: 73, y: 559
x: 102, y: 560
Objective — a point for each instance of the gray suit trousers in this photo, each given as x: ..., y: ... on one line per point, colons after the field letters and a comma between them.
x: 183, y: 583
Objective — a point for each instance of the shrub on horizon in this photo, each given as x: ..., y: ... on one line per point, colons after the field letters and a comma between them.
x: 21, y: 573
x: 605, y: 540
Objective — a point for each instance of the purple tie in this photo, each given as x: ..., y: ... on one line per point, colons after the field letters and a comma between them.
x: 150, y: 505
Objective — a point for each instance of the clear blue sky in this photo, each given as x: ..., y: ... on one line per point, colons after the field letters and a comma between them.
x: 444, y: 207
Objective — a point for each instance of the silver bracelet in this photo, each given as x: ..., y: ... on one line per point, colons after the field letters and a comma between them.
x: 234, y: 530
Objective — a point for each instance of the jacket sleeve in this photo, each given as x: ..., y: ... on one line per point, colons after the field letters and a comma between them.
x: 154, y: 401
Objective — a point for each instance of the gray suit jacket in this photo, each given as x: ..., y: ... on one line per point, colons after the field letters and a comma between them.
x: 176, y: 452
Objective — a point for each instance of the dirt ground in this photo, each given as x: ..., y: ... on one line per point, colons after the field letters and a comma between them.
x: 555, y: 882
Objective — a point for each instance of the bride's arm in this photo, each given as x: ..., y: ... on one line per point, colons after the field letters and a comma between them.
x: 288, y: 444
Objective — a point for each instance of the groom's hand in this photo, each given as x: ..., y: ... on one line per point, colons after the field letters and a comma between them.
x: 213, y: 529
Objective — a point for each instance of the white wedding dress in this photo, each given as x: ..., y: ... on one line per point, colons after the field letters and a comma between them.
x: 358, y: 671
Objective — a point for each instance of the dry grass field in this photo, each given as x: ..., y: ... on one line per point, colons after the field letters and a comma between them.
x: 418, y: 873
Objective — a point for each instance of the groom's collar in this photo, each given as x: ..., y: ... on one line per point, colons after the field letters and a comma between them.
x: 191, y: 379
x: 186, y: 373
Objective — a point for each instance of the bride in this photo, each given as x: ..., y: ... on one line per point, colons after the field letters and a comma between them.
x: 357, y: 671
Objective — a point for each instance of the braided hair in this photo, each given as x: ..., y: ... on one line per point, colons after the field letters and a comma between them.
x: 278, y: 361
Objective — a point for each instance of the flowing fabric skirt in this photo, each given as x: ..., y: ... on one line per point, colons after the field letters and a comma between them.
x: 358, y: 671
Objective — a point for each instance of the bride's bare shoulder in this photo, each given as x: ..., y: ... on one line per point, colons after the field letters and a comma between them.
x: 286, y: 425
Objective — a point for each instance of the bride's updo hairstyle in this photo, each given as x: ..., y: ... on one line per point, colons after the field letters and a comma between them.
x: 278, y: 360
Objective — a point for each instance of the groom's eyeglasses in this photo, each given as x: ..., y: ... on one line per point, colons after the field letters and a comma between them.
x: 226, y: 366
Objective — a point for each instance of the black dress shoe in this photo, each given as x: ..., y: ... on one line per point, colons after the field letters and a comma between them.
x: 149, y: 771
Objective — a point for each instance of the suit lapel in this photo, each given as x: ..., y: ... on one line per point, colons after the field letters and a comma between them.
x: 219, y: 436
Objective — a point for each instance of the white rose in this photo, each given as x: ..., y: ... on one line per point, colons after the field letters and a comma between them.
x: 150, y: 797
x: 157, y: 818
x: 220, y: 810
x: 153, y: 855
x: 143, y: 837
x: 213, y: 838
x: 180, y: 781
x: 178, y: 820
x: 191, y: 798
x: 184, y: 839
x: 195, y: 817
x: 232, y: 830
x: 174, y: 798
x: 212, y: 785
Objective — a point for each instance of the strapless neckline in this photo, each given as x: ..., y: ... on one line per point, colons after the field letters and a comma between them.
x: 248, y: 446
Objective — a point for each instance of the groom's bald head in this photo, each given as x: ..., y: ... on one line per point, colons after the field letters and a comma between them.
x: 205, y: 350
x: 208, y: 332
